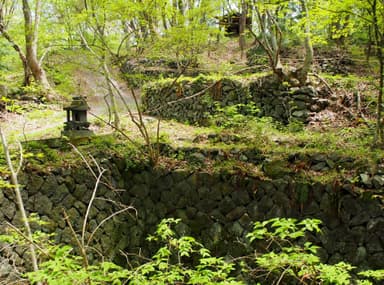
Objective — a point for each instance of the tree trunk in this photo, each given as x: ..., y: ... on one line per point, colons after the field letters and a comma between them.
x: 302, y: 73
x: 242, y: 26
x: 379, y: 128
x: 30, y: 29
x: 114, y: 110
x: 19, y: 201
x: 379, y: 41
x: 16, y: 47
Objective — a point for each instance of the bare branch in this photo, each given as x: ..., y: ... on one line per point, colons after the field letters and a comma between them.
x: 107, y: 219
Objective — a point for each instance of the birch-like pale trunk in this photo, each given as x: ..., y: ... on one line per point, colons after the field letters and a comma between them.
x: 19, y: 199
x: 31, y: 26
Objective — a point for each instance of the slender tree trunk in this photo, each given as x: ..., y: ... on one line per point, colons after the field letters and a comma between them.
x: 31, y: 39
x: 114, y: 110
x: 379, y: 128
x: 19, y: 200
x: 303, y: 72
x: 379, y: 41
x: 242, y: 26
x: 21, y: 54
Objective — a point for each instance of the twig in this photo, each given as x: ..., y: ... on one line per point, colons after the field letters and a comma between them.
x: 117, y: 129
x: 107, y: 219
x: 85, y: 161
x: 202, y: 92
x: 282, y: 275
x: 90, y: 205
x: 30, y: 241
x: 81, y: 248
x: 323, y: 81
x: 19, y: 200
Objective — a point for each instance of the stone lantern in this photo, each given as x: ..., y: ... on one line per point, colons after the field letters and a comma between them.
x: 77, y: 125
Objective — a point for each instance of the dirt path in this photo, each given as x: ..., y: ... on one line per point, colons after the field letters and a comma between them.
x: 47, y: 121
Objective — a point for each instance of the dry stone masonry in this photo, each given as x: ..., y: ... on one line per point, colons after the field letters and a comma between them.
x: 193, y: 100
x: 218, y: 209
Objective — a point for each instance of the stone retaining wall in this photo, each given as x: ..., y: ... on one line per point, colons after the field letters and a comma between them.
x: 217, y: 209
x: 193, y: 99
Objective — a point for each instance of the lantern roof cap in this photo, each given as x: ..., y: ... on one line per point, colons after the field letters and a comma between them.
x: 78, y: 103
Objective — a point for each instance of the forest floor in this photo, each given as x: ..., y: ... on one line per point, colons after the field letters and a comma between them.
x: 344, y: 124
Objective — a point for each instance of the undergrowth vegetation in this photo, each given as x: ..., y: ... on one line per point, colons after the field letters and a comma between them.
x: 286, y: 257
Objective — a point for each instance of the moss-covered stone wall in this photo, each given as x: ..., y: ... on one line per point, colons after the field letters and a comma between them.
x: 218, y: 209
x: 193, y: 99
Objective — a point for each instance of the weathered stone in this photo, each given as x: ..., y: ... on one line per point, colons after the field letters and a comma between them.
x: 301, y: 105
x: 373, y: 209
x: 265, y: 185
x: 375, y: 224
x: 365, y: 179
x: 311, y: 208
x: 161, y: 210
x: 360, y: 255
x: 181, y: 214
x: 197, y: 157
x: 9, y: 210
x: 80, y: 191
x: 280, y: 184
x: 70, y: 183
x: 236, y: 213
x: 326, y: 203
x: 240, y: 197
x: 351, y: 205
x: 182, y: 202
x: 253, y: 210
x: 140, y: 190
x: 215, y: 233
x: 191, y: 212
x: 236, y: 229
x: 276, y: 168
x: 374, y: 245
x: 245, y: 221
x: 226, y: 205
x: 375, y: 261
x: 321, y: 166
x: 59, y: 194
x: 43, y: 204
x: 68, y: 201
x: 330, y: 163
x: 143, y: 178
x: 378, y: 181
x: 203, y: 192
x: 281, y: 199
x: 266, y: 203
x: 80, y: 207
x: 180, y: 175
x: 75, y: 218
x: 201, y: 221
x: 182, y: 229
x: 335, y: 258
x: 34, y: 184
x: 49, y: 186
x: 205, y: 204
x: 300, y: 114
x: 274, y: 212
x: 359, y: 234
x: 1, y: 197
x: 360, y: 219
x: 215, y: 194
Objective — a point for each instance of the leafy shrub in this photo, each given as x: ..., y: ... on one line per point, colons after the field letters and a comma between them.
x: 288, y: 258
x: 171, y: 264
x: 234, y: 116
